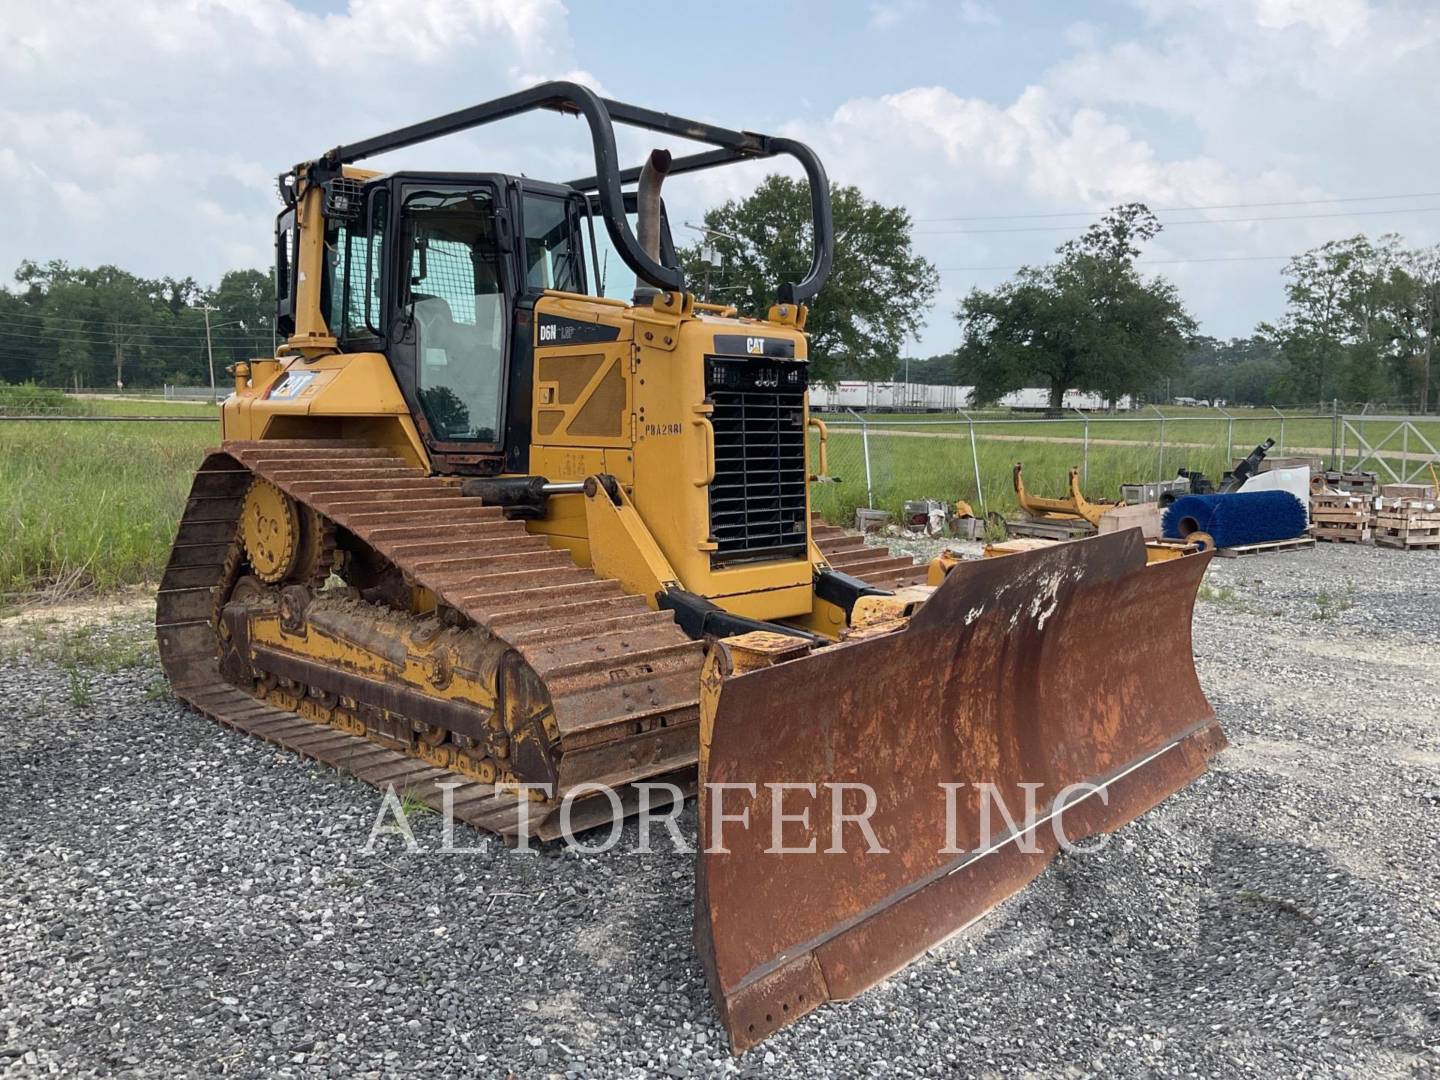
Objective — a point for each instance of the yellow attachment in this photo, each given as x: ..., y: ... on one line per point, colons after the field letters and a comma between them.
x: 1165, y: 550
x: 270, y: 530
x: 823, y: 476
x: 889, y: 611
x: 1156, y: 551
x: 939, y: 566
x: 1018, y: 544
x: 1076, y: 507
x: 621, y: 547
x: 762, y: 648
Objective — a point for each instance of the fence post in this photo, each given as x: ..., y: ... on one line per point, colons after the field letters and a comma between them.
x: 1280, y: 446
x: 1337, y: 443
x: 975, y: 461
x: 1161, y: 470
x: 865, y: 448
x: 1229, y: 435
x: 1084, y: 461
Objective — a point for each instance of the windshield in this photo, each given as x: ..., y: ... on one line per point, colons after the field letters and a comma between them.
x: 458, y: 306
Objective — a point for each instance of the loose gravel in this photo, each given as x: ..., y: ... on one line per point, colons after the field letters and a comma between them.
x: 176, y: 899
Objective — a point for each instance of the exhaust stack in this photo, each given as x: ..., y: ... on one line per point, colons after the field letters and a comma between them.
x: 647, y: 207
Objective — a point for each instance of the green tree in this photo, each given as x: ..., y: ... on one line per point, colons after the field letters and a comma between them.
x: 878, y: 290
x: 1344, y: 332
x: 1242, y: 371
x: 1418, y: 321
x: 1087, y: 321
x: 76, y: 326
x: 936, y: 370
x: 244, y: 304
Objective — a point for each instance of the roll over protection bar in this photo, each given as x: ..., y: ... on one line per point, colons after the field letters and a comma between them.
x: 601, y: 115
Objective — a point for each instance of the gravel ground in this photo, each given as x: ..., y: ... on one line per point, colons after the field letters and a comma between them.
x: 176, y: 899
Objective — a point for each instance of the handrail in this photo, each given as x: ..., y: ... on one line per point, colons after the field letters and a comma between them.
x: 601, y: 114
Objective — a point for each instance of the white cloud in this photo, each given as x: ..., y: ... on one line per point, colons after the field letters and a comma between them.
x: 149, y: 134
x: 885, y: 14
x: 977, y: 13
x: 1205, y: 104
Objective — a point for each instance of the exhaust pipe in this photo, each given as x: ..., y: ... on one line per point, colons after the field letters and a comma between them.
x: 647, y: 206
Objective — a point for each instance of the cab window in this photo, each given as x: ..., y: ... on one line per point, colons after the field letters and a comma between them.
x: 554, y: 255
x: 455, y: 300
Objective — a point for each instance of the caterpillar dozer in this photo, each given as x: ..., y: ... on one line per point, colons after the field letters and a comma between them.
x: 516, y: 524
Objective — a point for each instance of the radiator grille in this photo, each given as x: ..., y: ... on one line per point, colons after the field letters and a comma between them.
x: 758, y: 497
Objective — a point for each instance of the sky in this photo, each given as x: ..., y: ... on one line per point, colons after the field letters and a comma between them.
x: 149, y: 133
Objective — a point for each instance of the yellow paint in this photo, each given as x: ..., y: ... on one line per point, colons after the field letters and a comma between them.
x: 621, y: 548
x: 633, y: 408
x: 349, y: 396
x: 470, y: 687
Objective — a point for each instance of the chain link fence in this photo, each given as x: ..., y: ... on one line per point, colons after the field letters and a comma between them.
x: 880, y: 462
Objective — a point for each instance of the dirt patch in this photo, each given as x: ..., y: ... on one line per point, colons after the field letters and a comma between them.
x: 50, y: 621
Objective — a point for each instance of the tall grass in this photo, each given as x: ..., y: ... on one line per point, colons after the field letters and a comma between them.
x: 91, y: 506
x: 905, y: 467
x: 27, y: 399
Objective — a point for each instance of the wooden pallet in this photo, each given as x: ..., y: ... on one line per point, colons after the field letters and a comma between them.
x: 1407, y: 542
x: 1407, y: 534
x: 1048, y: 530
x: 1269, y: 547
x: 1351, y: 533
x: 1357, y: 483
x: 1409, y: 523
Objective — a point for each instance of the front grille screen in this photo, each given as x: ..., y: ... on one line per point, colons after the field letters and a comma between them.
x: 757, y: 501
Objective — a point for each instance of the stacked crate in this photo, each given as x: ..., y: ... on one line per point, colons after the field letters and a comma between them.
x: 1407, y: 522
x: 1350, y: 482
x: 1340, y: 518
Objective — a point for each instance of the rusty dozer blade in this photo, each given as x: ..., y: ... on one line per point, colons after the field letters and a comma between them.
x: 1053, y: 667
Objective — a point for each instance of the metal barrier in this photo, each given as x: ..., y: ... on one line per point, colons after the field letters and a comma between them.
x: 1378, y: 455
x: 881, y: 462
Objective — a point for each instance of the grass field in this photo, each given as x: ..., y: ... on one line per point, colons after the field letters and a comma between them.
x: 920, y: 457
x: 89, y: 506
x: 1195, y: 426
x: 906, y: 467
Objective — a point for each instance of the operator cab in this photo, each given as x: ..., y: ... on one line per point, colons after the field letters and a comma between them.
x: 472, y: 254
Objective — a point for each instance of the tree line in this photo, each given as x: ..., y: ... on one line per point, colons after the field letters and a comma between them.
x: 78, y: 327
x: 1359, y: 321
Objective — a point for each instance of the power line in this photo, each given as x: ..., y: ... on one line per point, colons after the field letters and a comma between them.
x: 47, y: 322
x: 127, y: 338
x: 35, y: 333
x: 1191, y: 221
x: 39, y: 340
x: 1180, y: 209
x: 1138, y: 262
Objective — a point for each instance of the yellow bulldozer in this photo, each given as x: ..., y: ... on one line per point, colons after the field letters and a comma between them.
x: 514, y: 523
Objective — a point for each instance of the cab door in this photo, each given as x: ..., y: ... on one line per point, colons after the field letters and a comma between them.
x: 450, y: 330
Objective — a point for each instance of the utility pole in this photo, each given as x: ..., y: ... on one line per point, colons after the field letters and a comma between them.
x: 117, y: 338
x: 210, y: 352
x: 708, y: 253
